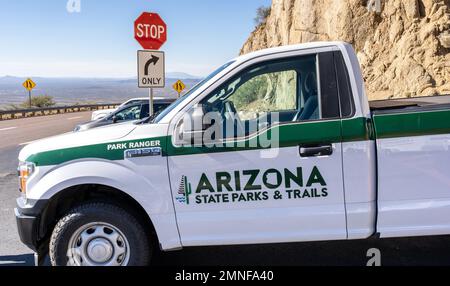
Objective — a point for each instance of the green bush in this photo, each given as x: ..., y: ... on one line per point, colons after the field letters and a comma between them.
x: 261, y: 15
x: 251, y: 91
x: 41, y: 101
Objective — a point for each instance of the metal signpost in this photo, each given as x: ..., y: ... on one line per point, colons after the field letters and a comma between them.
x: 151, y: 72
x: 151, y: 32
x: 29, y: 85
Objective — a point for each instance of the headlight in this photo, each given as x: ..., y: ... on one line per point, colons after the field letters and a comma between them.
x: 25, y: 170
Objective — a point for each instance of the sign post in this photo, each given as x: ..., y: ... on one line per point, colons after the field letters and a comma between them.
x: 179, y: 86
x: 151, y: 72
x: 150, y: 109
x: 151, y: 32
x: 29, y: 85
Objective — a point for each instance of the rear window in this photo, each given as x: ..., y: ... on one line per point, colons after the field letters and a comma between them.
x: 344, y: 87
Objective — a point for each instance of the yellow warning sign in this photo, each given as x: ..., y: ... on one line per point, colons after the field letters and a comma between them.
x: 179, y: 86
x: 29, y: 84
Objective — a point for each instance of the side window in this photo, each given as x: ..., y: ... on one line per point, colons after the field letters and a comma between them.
x: 269, y: 92
x: 130, y: 113
x: 345, y: 91
x: 328, y: 86
x: 278, y: 91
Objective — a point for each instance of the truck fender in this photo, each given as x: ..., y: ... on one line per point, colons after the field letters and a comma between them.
x: 155, y: 199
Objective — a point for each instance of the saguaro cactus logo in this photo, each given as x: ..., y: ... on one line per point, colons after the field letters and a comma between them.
x: 185, y: 190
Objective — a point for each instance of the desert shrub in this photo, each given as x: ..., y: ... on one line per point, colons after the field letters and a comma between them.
x: 261, y: 15
x: 41, y: 101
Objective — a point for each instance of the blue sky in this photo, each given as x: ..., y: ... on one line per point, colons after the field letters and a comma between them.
x: 41, y: 38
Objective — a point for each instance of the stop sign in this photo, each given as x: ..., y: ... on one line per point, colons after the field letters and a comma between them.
x: 150, y: 31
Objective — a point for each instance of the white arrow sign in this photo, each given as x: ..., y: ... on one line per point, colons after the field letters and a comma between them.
x: 151, y: 71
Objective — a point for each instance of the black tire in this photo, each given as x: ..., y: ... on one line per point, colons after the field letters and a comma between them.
x: 132, y: 229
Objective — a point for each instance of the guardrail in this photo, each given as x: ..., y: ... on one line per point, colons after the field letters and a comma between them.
x: 24, y: 113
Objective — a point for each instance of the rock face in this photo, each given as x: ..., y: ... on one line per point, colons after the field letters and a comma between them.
x: 404, y: 50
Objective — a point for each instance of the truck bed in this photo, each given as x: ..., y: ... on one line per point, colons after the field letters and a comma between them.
x: 410, y: 104
x: 412, y: 158
x: 411, y: 116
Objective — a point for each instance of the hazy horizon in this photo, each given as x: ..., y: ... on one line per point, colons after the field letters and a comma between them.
x: 68, y: 91
x: 172, y: 75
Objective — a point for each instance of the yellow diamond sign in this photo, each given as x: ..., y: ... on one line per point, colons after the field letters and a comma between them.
x: 29, y: 84
x: 179, y: 86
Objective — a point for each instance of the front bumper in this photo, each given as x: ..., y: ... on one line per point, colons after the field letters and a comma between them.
x: 27, y: 227
x: 28, y: 214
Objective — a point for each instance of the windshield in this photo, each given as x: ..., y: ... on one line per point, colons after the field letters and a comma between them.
x: 166, y: 111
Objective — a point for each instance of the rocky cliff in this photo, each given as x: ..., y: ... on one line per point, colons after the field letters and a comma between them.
x: 404, y: 48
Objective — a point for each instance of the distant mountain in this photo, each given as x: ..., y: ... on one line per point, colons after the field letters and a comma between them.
x: 10, y: 80
x: 181, y: 75
x: 14, y: 79
x: 86, y: 90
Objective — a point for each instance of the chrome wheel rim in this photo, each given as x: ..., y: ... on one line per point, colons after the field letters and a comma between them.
x: 98, y: 244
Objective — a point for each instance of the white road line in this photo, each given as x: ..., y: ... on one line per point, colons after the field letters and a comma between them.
x: 73, y: 118
x: 8, y: 128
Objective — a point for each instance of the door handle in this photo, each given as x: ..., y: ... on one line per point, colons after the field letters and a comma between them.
x: 316, y: 150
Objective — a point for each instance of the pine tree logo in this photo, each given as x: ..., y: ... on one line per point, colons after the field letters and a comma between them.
x: 185, y: 190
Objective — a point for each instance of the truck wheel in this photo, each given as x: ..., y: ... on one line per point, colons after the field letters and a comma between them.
x: 99, y: 234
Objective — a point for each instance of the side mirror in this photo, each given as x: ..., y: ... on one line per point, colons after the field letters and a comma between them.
x: 115, y: 119
x: 193, y: 128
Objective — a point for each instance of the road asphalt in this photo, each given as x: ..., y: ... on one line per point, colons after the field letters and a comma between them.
x: 15, y: 134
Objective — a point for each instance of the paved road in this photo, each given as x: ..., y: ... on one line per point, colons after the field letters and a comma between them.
x: 14, y: 135
x: 21, y: 131
x: 406, y: 251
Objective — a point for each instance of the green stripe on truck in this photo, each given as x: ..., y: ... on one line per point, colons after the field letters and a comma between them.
x: 98, y: 151
x: 356, y: 129
x: 292, y: 134
x: 412, y: 124
x: 289, y: 134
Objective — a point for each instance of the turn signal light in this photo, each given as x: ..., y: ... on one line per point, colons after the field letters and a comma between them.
x: 25, y: 170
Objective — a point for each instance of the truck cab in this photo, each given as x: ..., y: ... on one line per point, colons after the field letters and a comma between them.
x: 278, y: 145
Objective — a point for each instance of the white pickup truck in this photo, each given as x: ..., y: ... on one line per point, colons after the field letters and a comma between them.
x: 306, y: 160
x: 99, y: 114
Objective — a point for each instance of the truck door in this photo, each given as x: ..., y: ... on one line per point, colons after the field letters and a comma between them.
x: 269, y: 165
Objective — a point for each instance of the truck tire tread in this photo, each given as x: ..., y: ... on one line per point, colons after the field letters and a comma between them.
x: 78, y: 213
